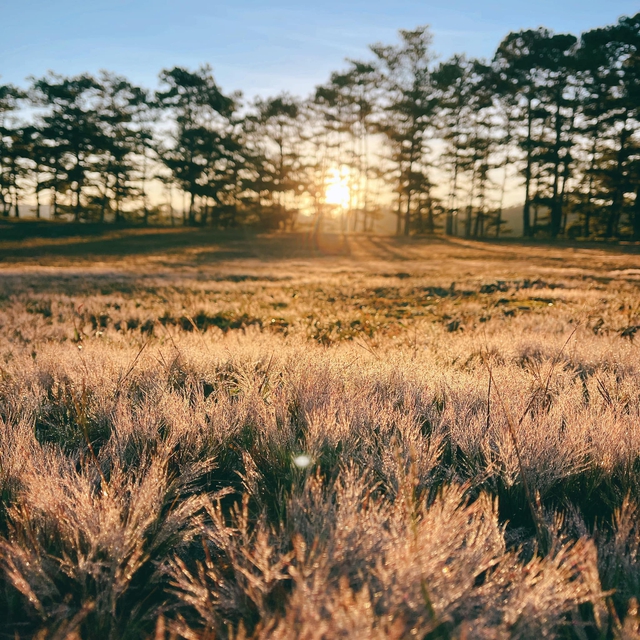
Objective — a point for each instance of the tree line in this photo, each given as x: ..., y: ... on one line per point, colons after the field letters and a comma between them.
x: 441, y: 144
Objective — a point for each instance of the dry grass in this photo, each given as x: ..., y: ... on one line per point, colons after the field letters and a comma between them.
x: 470, y: 413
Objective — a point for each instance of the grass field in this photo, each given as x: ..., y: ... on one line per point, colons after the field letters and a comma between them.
x: 208, y: 435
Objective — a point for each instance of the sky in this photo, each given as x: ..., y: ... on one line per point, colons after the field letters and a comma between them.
x: 261, y: 48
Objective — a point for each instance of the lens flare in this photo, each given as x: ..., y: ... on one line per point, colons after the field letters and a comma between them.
x: 302, y: 461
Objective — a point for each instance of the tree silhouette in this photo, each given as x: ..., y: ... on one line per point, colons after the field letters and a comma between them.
x: 121, y: 141
x: 409, y: 105
x: 277, y: 159
x: 445, y: 141
x: 202, y: 152
x: 71, y: 128
x: 10, y: 137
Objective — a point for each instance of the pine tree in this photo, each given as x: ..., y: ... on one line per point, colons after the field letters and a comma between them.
x: 409, y: 105
x: 71, y: 129
x: 204, y: 152
x: 10, y: 98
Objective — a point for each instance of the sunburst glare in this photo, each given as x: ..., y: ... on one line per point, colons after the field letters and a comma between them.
x: 337, y: 191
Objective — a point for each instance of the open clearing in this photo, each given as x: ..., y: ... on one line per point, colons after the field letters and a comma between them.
x: 208, y: 435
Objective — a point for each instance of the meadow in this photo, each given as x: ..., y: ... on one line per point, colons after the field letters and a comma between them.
x: 227, y: 435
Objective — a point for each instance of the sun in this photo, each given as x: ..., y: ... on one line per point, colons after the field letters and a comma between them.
x: 337, y: 191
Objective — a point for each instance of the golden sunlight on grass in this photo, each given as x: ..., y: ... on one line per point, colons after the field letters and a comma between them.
x: 207, y: 435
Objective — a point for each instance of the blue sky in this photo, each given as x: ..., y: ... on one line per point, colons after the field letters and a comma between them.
x: 260, y: 47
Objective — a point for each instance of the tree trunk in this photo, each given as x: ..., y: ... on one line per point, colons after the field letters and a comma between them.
x: 118, y: 217
x: 317, y: 224
x: 555, y: 213
x: 191, y: 212
x: 173, y: 222
x: 587, y: 213
x: 205, y: 212
x: 472, y: 192
x: 468, y: 221
x: 431, y: 226
x: 636, y: 215
x: 453, y: 194
x: 556, y: 205
x: 618, y: 195
x: 407, y: 214
x: 76, y: 214
x: 563, y: 198
x: 145, y: 208
x: 503, y: 191
x: 103, y: 202
x: 54, y: 202
x: 399, y: 211
x: 526, y: 212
